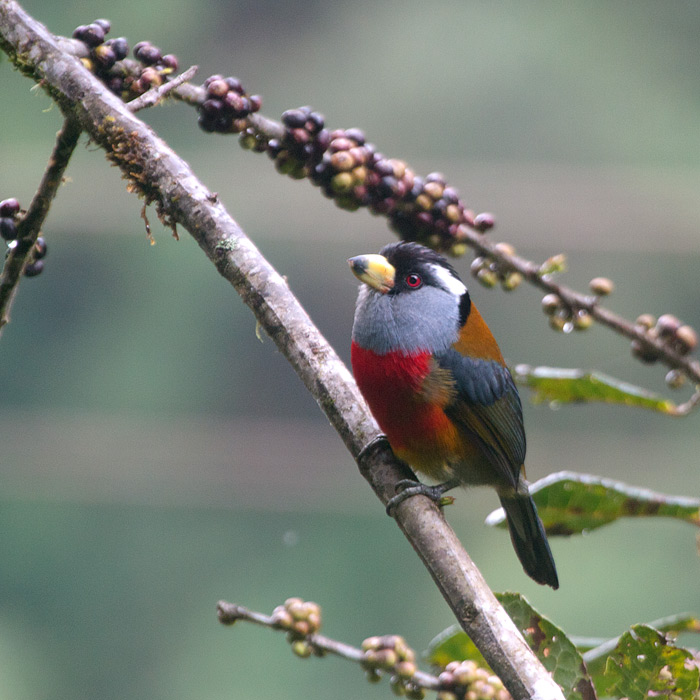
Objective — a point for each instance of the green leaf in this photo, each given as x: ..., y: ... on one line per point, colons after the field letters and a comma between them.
x: 570, y: 503
x: 552, y: 647
x: 559, y: 385
x: 596, y: 655
x: 549, y: 643
x: 644, y: 665
x: 453, y: 644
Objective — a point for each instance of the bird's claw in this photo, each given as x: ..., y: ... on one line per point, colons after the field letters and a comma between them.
x: 407, y: 488
x: 380, y: 439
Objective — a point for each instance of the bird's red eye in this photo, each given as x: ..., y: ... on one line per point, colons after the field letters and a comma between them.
x: 413, y: 280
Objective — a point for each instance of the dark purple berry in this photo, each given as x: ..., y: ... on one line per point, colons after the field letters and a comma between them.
x: 105, y: 24
x: 211, y: 79
x: 211, y: 108
x: 146, y: 53
x: 255, y: 103
x: 120, y: 46
x: 9, y: 207
x: 8, y: 230
x: 90, y: 34
x: 39, y: 248
x: 104, y: 56
x: 315, y: 122
x: 170, y: 61
x: 484, y: 221
x: 206, y: 123
x: 435, y: 177
x: 234, y: 84
x: 356, y: 135
x: 33, y: 269
x: 115, y: 84
x: 294, y: 118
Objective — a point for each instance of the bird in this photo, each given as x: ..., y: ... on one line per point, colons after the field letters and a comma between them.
x: 436, y: 382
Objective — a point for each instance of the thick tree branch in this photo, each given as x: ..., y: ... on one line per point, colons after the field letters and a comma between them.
x: 160, y: 176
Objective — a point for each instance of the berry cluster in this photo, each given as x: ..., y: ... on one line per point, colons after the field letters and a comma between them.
x: 390, y: 654
x: 678, y: 336
x: 468, y: 680
x: 490, y: 272
x: 107, y: 58
x: 563, y: 317
x: 354, y: 174
x: 226, y: 106
x: 300, y: 618
x: 9, y: 214
x: 304, y: 142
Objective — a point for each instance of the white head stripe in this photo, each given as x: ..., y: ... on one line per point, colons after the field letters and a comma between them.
x: 448, y: 280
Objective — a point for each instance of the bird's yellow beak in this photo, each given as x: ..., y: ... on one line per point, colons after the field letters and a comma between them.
x: 374, y: 270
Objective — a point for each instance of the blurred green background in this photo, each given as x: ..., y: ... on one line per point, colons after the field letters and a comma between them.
x: 155, y: 456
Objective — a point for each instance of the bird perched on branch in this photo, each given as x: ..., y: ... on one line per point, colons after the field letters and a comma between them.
x: 435, y: 380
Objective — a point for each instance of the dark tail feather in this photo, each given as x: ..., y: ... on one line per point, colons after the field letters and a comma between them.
x: 528, y: 538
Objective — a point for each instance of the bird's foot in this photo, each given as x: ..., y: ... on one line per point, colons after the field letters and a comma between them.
x: 407, y: 488
x: 381, y: 439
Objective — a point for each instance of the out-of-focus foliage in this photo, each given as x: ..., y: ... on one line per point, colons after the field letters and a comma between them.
x: 570, y: 503
x: 575, y: 385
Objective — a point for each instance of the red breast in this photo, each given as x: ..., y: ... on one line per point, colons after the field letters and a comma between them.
x: 394, y: 385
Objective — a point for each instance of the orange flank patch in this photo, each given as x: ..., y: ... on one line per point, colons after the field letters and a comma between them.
x: 476, y: 340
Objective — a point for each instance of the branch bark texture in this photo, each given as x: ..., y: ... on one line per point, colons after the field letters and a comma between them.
x: 160, y: 176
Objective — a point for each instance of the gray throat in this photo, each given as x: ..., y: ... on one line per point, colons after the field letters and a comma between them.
x: 423, y: 320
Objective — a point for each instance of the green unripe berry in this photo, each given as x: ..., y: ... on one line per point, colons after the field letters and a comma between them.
x: 487, y: 277
x: 582, y: 320
x: 397, y: 686
x: 342, y: 183
x: 373, y: 676
x: 301, y: 648
x: 511, y: 281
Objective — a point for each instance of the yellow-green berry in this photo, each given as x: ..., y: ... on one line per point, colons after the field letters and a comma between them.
x: 582, y: 320
x: 301, y: 648
x: 601, y: 286
x: 511, y: 281
x: 646, y: 321
x: 487, y: 277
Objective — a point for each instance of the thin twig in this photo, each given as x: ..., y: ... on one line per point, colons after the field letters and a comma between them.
x: 30, y: 226
x: 156, y: 94
x: 232, y: 612
x: 683, y: 409
x: 532, y: 272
